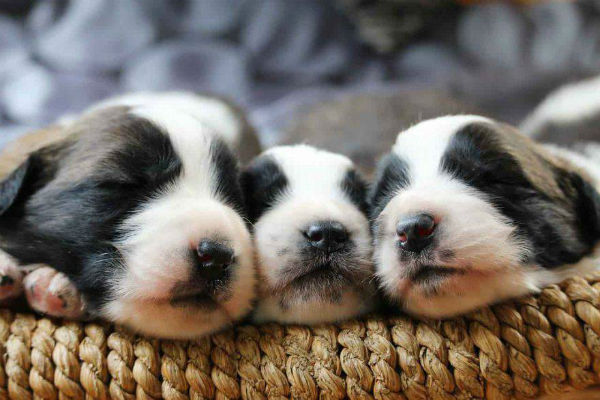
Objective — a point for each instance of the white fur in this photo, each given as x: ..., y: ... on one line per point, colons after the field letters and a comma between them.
x: 167, y: 226
x: 312, y: 173
x: 314, y: 194
x: 479, y: 236
x: 567, y: 104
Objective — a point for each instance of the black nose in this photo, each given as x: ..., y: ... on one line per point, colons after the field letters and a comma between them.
x: 214, y: 259
x: 328, y: 236
x: 416, y: 232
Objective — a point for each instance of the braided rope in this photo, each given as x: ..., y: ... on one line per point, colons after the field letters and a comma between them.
x: 548, y: 343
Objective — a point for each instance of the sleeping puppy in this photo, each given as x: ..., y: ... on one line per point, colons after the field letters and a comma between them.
x: 469, y: 212
x: 138, y: 204
x: 569, y: 115
x: 311, y: 235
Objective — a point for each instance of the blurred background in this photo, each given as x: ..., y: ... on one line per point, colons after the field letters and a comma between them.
x: 276, y: 57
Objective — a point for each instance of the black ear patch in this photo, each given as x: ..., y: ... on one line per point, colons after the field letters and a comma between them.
x: 11, y: 186
x: 227, y: 173
x: 355, y: 187
x: 586, y: 201
x: 262, y: 183
x: 392, y: 174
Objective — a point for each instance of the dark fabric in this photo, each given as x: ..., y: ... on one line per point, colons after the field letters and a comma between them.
x: 60, y: 56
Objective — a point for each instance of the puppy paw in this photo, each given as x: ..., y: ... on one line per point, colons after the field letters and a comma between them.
x: 51, y: 293
x: 11, y: 278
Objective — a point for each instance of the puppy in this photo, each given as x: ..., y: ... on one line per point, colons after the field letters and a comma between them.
x: 138, y: 204
x: 468, y: 212
x: 567, y: 116
x: 311, y: 235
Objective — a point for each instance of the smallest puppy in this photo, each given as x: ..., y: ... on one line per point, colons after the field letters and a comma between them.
x: 311, y: 234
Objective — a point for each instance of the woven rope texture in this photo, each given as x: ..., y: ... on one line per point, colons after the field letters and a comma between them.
x: 548, y: 343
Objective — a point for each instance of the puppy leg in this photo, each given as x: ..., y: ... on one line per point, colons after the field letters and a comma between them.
x: 52, y: 293
x: 11, y: 278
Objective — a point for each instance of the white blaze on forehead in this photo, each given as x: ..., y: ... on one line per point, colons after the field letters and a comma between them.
x: 423, y: 145
x: 212, y: 112
x: 311, y: 172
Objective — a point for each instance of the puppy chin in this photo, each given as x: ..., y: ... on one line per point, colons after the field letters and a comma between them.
x: 313, y: 310
x: 443, y: 297
x: 297, y: 286
x: 459, y: 294
x: 165, y: 321
x: 159, y: 293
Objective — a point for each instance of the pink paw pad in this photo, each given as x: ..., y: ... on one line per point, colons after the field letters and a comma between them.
x: 11, y: 278
x: 52, y: 293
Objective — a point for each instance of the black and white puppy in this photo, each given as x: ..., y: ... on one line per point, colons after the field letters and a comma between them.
x: 569, y: 115
x: 469, y: 212
x: 139, y: 205
x: 311, y: 235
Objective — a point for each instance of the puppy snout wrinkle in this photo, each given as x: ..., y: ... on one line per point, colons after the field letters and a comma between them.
x: 214, y: 260
x: 416, y: 232
x: 327, y: 236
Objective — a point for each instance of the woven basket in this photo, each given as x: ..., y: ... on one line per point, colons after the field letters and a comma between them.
x: 544, y: 344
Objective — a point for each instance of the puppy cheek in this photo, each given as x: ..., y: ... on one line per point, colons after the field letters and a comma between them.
x: 388, y: 268
x: 243, y: 286
x: 488, y: 246
x: 154, y: 279
x: 275, y: 247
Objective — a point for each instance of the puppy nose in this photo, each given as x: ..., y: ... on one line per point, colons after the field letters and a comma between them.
x: 416, y: 232
x: 214, y: 259
x: 328, y: 236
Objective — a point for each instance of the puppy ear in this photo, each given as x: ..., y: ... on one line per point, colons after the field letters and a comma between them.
x: 34, y: 173
x: 12, y: 185
x: 392, y: 175
x: 586, y: 201
x: 262, y: 183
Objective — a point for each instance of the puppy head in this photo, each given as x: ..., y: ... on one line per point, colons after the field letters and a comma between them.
x: 142, y: 209
x: 467, y: 212
x: 311, y: 235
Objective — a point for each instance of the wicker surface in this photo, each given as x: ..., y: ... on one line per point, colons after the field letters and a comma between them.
x: 546, y: 343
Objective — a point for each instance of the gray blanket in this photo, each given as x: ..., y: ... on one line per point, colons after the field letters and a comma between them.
x: 277, y: 56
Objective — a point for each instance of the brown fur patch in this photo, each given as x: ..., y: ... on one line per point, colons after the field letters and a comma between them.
x: 87, y: 139
x: 15, y: 153
x: 533, y: 160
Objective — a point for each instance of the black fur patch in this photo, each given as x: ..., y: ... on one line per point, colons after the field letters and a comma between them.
x: 262, y: 183
x: 476, y: 157
x: 70, y: 226
x: 392, y: 175
x: 227, y: 175
x: 355, y: 187
x: 11, y: 186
